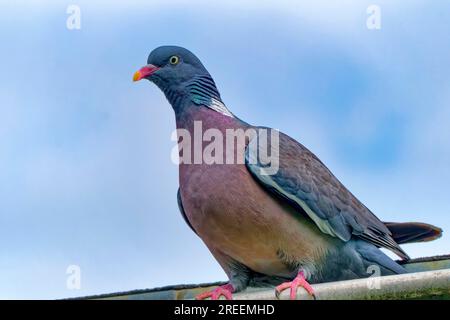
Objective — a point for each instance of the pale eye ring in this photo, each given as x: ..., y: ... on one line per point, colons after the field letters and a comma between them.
x: 174, y: 60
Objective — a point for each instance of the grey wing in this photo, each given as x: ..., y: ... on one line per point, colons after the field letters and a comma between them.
x: 304, y: 181
x: 180, y: 206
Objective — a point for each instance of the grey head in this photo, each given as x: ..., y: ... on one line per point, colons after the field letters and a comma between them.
x: 183, y: 79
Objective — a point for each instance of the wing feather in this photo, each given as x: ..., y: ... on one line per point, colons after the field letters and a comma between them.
x: 304, y: 181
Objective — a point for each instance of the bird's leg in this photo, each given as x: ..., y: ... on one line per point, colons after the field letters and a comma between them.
x: 225, y: 290
x: 299, y: 281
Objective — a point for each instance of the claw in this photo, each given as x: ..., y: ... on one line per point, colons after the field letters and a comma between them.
x: 225, y: 291
x: 299, y: 281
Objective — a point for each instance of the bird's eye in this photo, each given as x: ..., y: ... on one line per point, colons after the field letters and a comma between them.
x: 174, y: 60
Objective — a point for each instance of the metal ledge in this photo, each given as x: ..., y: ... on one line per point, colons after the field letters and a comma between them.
x: 418, y: 285
x: 429, y: 279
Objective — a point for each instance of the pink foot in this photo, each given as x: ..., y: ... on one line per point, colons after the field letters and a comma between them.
x: 225, y: 290
x: 299, y: 281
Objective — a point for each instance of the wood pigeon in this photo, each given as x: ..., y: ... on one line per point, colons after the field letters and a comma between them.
x: 297, y: 225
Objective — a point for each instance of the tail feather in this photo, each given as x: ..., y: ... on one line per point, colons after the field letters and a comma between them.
x: 407, y: 232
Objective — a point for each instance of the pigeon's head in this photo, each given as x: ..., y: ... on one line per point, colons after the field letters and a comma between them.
x: 170, y: 66
x: 172, y: 69
x: 182, y: 77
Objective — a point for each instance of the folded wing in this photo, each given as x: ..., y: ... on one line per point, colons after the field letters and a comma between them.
x: 307, y: 184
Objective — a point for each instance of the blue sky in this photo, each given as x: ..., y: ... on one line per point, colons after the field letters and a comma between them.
x: 86, y: 177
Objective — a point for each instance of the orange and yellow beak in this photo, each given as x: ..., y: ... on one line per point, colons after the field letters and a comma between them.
x: 145, y: 72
